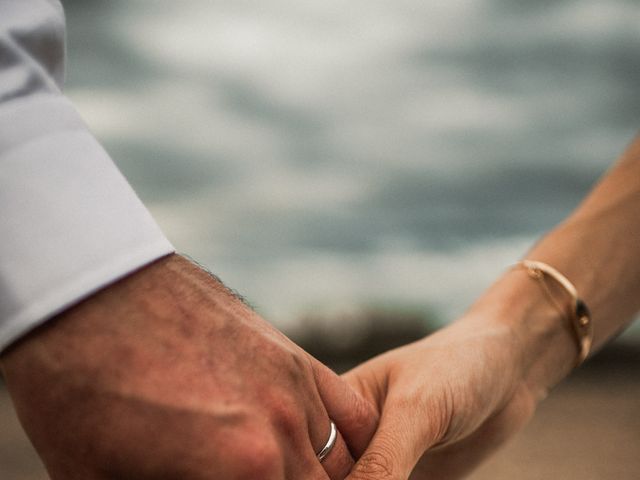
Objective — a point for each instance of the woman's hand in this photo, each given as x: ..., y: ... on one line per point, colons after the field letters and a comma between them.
x: 445, y: 403
x: 449, y: 400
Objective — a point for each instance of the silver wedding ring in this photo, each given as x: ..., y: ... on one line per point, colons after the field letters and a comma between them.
x: 322, y: 454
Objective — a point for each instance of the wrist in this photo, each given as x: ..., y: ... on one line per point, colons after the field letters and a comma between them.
x: 544, y: 344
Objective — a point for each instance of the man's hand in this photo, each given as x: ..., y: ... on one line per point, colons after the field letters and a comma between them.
x: 165, y: 374
x: 446, y: 402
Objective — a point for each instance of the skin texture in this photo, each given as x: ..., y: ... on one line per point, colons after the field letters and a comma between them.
x: 451, y: 399
x: 166, y: 375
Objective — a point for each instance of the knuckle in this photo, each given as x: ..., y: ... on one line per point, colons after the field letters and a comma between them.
x: 292, y: 369
x: 286, y: 417
x: 301, y: 361
x: 300, y: 369
x: 257, y: 456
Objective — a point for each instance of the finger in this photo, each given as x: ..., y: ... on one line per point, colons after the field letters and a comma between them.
x: 306, y: 431
x: 338, y: 462
x: 396, y: 447
x: 298, y: 435
x: 354, y: 416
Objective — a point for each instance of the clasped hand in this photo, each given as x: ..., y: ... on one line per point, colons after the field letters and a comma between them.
x: 167, y: 375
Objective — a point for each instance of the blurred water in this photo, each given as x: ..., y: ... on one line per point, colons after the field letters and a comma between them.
x: 321, y: 154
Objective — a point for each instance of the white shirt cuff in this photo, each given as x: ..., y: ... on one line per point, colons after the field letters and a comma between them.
x: 70, y: 224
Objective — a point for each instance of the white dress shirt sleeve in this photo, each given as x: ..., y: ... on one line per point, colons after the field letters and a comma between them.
x: 69, y: 222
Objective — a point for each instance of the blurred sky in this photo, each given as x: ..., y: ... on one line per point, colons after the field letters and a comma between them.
x: 321, y: 154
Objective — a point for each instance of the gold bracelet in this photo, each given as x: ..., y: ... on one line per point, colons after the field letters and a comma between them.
x: 579, y: 314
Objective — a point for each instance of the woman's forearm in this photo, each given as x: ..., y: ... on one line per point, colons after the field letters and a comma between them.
x: 449, y: 400
x: 598, y: 249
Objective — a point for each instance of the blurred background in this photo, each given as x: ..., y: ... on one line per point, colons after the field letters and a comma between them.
x: 362, y: 170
